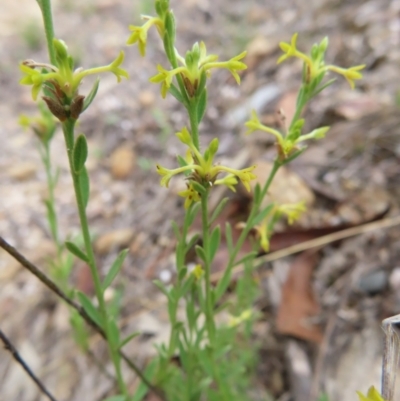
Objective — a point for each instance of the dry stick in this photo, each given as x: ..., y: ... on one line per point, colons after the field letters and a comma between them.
x: 10, y: 347
x: 324, y: 240
x: 53, y: 287
x: 391, y: 354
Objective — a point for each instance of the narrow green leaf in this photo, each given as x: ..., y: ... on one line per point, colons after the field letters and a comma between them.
x: 114, y: 270
x: 247, y: 258
x: 324, y: 86
x: 76, y: 251
x: 200, y: 253
x: 162, y: 287
x: 198, y: 187
x: 51, y: 217
x: 257, y: 193
x: 191, y: 214
x: 294, y: 155
x: 262, y: 215
x: 188, y: 284
x: 91, y: 95
x: 84, y: 185
x: 126, y: 340
x: 79, y: 330
x: 182, y: 163
x: 113, y: 334
x: 193, y: 241
x: 89, y: 308
x: 215, y: 239
x: 149, y: 373
x: 217, y: 211
x: 222, y: 285
x: 191, y: 314
x: 79, y: 153
x: 228, y: 236
x: 176, y: 93
x: 222, y: 307
x: 182, y: 274
x: 201, y: 105
x: 175, y: 228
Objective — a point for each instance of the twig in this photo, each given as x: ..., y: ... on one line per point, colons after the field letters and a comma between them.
x: 53, y: 287
x: 324, y: 240
x: 391, y: 354
x: 13, y: 351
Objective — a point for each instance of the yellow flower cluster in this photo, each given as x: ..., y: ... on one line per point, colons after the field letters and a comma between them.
x: 63, y: 74
x: 372, y: 395
x: 316, y: 65
x: 286, y: 143
x: 201, y: 168
x: 264, y: 229
x: 193, y: 67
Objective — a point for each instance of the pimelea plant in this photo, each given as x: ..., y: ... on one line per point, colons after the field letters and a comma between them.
x: 203, y: 359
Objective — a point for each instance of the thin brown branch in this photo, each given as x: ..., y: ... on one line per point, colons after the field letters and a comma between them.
x: 13, y: 351
x: 53, y: 287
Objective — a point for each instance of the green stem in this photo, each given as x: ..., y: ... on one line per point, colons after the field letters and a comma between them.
x: 45, y: 7
x: 53, y: 223
x: 249, y: 223
x: 68, y: 129
x: 194, y: 124
x: 210, y: 324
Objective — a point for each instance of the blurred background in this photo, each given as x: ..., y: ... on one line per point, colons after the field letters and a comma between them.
x: 321, y: 309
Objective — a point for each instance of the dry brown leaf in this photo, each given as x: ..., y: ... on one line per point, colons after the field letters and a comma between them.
x: 298, y: 303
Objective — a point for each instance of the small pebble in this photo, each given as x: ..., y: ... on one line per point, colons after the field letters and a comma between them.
x: 373, y: 282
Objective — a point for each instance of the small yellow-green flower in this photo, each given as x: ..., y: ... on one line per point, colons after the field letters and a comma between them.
x: 190, y: 195
x: 315, y: 63
x: 372, y: 395
x: 351, y: 74
x: 198, y: 272
x: 292, y: 211
x: 43, y: 125
x: 139, y: 33
x: 235, y: 321
x: 63, y: 74
x: 263, y: 233
x: 201, y: 168
x: 196, y: 63
x: 287, y: 143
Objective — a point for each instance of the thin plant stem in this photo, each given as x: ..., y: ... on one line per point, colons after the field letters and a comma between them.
x: 210, y: 324
x: 15, y: 354
x: 52, y: 286
x: 45, y: 7
x: 68, y: 129
x: 51, y: 181
x: 249, y: 223
x: 192, y: 110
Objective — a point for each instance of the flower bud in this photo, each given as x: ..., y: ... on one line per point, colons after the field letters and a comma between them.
x: 56, y: 108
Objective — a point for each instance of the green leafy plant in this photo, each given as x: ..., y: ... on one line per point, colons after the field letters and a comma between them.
x: 210, y: 354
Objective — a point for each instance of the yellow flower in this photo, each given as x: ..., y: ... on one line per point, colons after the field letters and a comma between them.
x: 190, y: 195
x: 236, y: 320
x: 200, y: 168
x: 63, y: 76
x: 198, y: 272
x: 351, y: 74
x: 292, y: 211
x: 194, y: 65
x: 372, y: 395
x: 289, y: 142
x: 290, y: 50
x: 263, y: 234
x: 315, y: 63
x: 139, y: 33
x: 229, y: 180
